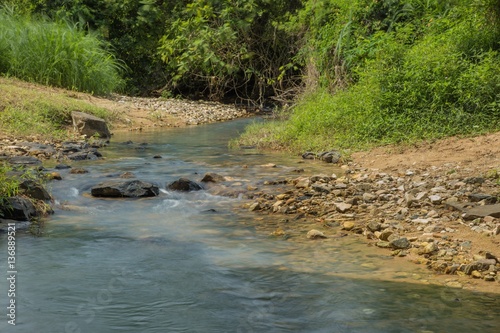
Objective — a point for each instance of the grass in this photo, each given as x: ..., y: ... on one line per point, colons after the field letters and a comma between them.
x: 56, y: 54
x: 9, y: 186
x: 28, y: 109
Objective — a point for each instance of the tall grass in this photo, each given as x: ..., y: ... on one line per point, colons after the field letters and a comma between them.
x: 57, y: 54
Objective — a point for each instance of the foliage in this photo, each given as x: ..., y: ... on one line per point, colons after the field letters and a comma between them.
x: 411, y: 70
x: 228, y: 47
x: 57, y: 54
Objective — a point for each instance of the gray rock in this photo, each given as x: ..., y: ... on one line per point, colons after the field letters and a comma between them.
x: 482, y: 211
x: 323, y: 188
x: 213, y: 177
x: 17, y: 208
x: 85, y: 155
x: 90, y: 125
x: 24, y: 160
x: 184, y: 185
x: 130, y: 189
x: 476, y: 197
x: 400, y: 243
x: 342, y: 207
x: 384, y: 235
x: 35, y: 190
x: 309, y: 155
x: 373, y: 226
x: 330, y: 156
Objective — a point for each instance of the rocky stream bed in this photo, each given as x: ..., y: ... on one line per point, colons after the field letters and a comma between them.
x: 433, y: 216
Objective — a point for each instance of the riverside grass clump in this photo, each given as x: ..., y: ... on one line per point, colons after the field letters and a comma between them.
x: 410, y: 71
x: 9, y: 186
x: 56, y: 54
x: 29, y: 109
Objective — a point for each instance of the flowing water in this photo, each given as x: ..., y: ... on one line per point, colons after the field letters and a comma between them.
x: 196, y: 262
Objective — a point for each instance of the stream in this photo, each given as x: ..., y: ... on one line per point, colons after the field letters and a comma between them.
x: 198, y: 262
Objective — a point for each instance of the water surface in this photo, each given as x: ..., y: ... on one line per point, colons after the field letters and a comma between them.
x: 197, y: 262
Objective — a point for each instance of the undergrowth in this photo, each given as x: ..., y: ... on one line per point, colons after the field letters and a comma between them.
x: 56, y: 54
x: 400, y: 72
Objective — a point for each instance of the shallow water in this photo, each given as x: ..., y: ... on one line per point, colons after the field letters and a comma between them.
x: 197, y: 262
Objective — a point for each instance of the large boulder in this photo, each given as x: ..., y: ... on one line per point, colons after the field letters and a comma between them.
x: 121, y: 189
x: 35, y: 190
x: 184, y: 185
x: 17, y: 208
x: 89, y: 125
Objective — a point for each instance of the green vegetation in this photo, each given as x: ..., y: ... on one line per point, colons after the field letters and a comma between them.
x: 9, y: 186
x: 357, y: 72
x: 392, y: 71
x: 29, y: 109
x: 56, y: 54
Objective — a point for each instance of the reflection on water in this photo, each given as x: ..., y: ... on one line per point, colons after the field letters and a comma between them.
x: 194, y: 262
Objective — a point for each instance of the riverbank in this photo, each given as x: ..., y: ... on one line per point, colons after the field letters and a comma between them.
x: 432, y: 204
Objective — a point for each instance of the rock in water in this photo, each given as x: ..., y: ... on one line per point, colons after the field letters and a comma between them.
x: 35, y: 190
x: 184, y: 185
x: 17, y: 208
x: 89, y: 125
x: 130, y: 189
x: 213, y: 177
x: 315, y: 234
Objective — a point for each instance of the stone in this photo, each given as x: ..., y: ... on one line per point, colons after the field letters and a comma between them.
x: 476, y: 197
x: 373, y: 226
x: 330, y: 156
x: 254, y: 207
x: 17, y: 208
x: 342, y: 207
x: 384, y: 235
x: 369, y: 197
x: 482, y: 211
x: 400, y: 243
x: 435, y: 199
x: 383, y: 244
x: 348, y: 225
x: 302, y: 182
x: 184, y: 185
x: 428, y: 248
x: 322, y: 188
x: 24, y: 160
x: 476, y: 274
x: 120, y: 189
x: 35, y: 190
x: 89, y: 125
x: 212, y: 177
x: 62, y: 166
x: 315, y: 234
x: 78, y: 171
x: 309, y: 155
x: 85, y: 155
